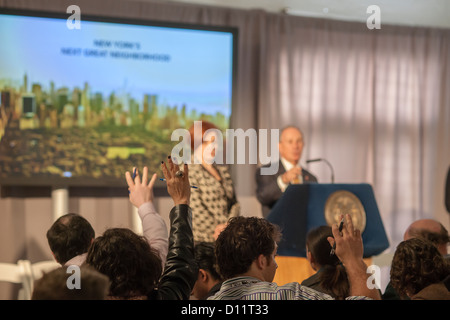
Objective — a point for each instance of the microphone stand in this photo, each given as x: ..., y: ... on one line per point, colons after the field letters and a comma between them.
x: 327, y: 162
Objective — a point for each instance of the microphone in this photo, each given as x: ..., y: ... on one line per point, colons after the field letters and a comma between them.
x: 327, y: 162
x: 313, y: 160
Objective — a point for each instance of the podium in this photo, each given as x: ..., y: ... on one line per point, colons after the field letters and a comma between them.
x: 302, y: 208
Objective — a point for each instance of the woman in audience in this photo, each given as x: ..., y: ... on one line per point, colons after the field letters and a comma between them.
x: 134, y: 268
x: 330, y: 277
x: 419, y: 271
x: 209, y: 280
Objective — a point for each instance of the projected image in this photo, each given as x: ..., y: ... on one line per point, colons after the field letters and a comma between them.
x: 83, y: 106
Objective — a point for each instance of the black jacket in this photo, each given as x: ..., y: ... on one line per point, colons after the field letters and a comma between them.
x: 181, y: 270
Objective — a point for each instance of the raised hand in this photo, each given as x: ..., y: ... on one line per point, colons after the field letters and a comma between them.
x: 349, y: 245
x: 140, y: 191
x: 178, y: 185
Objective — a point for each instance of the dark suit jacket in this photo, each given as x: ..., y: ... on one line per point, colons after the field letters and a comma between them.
x: 268, y: 192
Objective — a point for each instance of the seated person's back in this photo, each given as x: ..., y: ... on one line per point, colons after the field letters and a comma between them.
x: 330, y: 277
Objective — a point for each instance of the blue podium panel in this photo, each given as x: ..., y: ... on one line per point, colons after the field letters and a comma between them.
x: 290, y: 213
x: 302, y: 208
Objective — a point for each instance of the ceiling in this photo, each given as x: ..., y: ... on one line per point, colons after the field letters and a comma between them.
x: 430, y: 13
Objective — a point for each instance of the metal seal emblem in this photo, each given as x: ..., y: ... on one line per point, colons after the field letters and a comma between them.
x: 342, y: 202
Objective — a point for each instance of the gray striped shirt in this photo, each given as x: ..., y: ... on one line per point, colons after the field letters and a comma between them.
x: 249, y: 288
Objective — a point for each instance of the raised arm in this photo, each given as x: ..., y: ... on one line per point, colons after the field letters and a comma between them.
x: 349, y: 249
x: 153, y: 225
x: 181, y: 270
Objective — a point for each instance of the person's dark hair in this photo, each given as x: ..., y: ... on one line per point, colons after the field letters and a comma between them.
x: 438, y: 238
x: 53, y: 285
x: 206, y: 258
x: 416, y: 264
x: 332, y: 277
x: 242, y: 241
x: 132, y: 266
x: 69, y: 236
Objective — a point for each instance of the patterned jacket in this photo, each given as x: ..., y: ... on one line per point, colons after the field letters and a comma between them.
x: 213, y: 202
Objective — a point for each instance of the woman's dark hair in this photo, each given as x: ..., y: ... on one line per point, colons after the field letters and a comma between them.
x: 133, y: 267
x: 332, y: 276
x: 242, y: 241
x: 69, y: 236
x: 206, y: 258
x: 417, y: 263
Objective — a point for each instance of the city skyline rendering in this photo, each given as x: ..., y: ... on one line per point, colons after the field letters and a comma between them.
x: 181, y: 66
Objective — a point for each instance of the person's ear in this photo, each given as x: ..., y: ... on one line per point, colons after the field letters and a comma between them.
x: 261, y: 261
x: 309, y: 256
x: 203, y: 275
x: 311, y: 260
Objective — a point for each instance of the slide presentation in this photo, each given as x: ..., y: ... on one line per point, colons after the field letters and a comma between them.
x: 82, y: 106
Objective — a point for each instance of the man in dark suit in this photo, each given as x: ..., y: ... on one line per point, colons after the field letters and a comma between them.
x: 270, y: 188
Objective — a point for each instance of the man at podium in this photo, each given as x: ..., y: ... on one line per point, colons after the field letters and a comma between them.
x: 271, y: 187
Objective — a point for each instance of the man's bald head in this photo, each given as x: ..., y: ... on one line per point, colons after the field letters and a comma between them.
x: 431, y: 230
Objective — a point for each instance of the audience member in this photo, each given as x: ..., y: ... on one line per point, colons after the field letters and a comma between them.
x: 330, y: 277
x: 214, y: 202
x: 209, y: 280
x: 69, y: 239
x: 134, y: 268
x: 71, y: 235
x: 128, y: 260
x: 153, y: 225
x: 53, y: 285
x: 431, y: 230
x: 428, y: 229
x: 246, y: 250
x: 271, y: 187
x: 419, y: 271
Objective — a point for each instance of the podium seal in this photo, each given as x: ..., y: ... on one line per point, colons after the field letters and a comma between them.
x: 342, y: 202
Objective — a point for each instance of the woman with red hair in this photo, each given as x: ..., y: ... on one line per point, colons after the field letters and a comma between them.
x: 214, y: 201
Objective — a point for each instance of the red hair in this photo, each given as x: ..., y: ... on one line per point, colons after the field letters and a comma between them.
x: 205, y: 127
